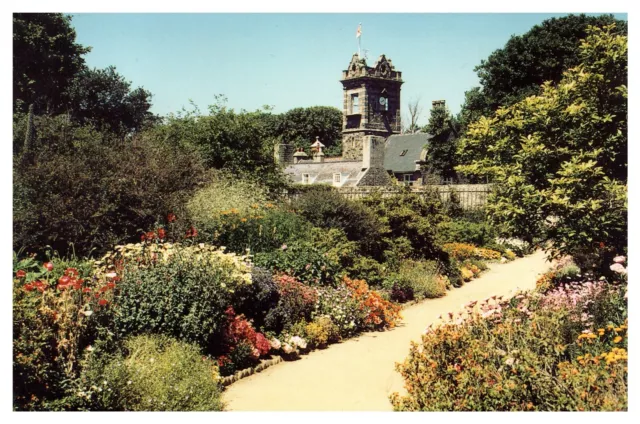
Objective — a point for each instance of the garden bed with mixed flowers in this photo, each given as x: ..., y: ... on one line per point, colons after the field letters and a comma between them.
x: 561, y: 347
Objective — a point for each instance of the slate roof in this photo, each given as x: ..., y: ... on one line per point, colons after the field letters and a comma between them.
x: 396, y: 144
x: 322, y: 173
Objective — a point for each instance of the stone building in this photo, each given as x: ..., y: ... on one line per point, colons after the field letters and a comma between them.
x: 374, y: 152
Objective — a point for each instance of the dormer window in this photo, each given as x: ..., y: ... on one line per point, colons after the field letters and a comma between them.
x: 404, y: 152
x: 336, y: 178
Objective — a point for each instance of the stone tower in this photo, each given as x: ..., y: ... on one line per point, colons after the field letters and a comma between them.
x: 371, y: 103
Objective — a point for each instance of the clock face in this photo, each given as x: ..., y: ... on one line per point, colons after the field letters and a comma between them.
x: 383, y: 100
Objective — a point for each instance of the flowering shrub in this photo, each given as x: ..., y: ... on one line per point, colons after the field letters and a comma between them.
x: 300, y: 260
x: 55, y: 316
x: 150, y: 373
x: 564, y: 350
x: 462, y: 251
x: 296, y: 303
x: 341, y: 307
x: 183, y: 296
x: 243, y: 344
x: 416, y: 279
x: 379, y: 313
x: 322, y: 331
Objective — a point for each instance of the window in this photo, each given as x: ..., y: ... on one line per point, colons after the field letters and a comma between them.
x: 336, y: 178
x: 355, y: 104
x: 407, y: 179
x: 305, y: 178
x: 404, y: 152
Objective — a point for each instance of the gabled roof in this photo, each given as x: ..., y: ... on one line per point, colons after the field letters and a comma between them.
x: 322, y: 173
x: 403, y: 150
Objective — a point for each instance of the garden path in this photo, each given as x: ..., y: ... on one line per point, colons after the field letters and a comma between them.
x: 359, y: 374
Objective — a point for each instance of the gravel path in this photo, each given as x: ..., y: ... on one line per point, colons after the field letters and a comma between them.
x: 359, y: 374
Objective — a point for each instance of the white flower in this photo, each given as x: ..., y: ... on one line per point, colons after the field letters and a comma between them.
x: 275, y: 343
x: 129, y: 382
x: 111, y: 274
x: 89, y: 348
x: 87, y: 313
x: 617, y: 267
x: 509, y: 361
x: 287, y: 348
x: 619, y: 259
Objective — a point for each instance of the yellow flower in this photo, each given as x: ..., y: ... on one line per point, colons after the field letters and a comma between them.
x: 617, y: 339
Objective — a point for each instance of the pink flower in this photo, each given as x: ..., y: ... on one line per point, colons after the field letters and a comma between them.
x: 283, y: 247
x: 619, y: 259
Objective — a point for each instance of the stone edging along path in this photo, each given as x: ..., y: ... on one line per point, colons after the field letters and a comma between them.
x: 359, y: 373
x: 265, y: 363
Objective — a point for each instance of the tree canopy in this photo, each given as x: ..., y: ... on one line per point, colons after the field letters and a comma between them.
x: 441, y: 150
x: 527, y: 61
x: 300, y: 126
x: 559, y: 159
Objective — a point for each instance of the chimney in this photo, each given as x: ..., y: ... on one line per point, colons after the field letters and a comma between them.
x: 283, y: 153
x: 373, y: 162
x: 299, y: 155
x: 316, y: 147
x: 436, y: 103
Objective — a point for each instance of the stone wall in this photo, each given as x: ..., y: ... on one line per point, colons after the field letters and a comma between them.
x: 373, y: 161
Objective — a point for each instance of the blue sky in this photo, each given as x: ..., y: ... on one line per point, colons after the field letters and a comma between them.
x: 292, y: 60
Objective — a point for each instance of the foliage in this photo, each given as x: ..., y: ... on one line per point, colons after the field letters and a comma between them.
x: 517, y: 70
x: 104, y: 99
x: 417, y: 279
x: 559, y: 159
x: 330, y: 209
x: 442, y: 145
x: 300, y: 126
x: 300, y: 260
x: 462, y: 251
x: 240, y: 142
x: 46, y: 58
x: 565, y: 350
x: 466, y: 231
x: 150, y: 373
x: 341, y: 307
x: 78, y: 195
x: 58, y: 308
x: 255, y: 300
x: 322, y: 331
x: 296, y: 303
x: 412, y: 217
x: 182, y: 293
x: 379, y: 313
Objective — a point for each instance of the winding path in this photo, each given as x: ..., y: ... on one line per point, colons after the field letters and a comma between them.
x: 359, y: 374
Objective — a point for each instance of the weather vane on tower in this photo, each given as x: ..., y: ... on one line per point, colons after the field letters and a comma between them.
x: 358, y: 36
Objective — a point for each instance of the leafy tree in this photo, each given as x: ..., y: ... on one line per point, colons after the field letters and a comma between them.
x: 441, y: 150
x: 239, y: 142
x: 104, y: 98
x: 301, y: 126
x: 46, y: 57
x: 559, y: 159
x: 527, y: 61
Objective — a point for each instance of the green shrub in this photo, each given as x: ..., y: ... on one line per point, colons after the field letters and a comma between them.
x: 296, y: 303
x: 183, y: 296
x: 77, y: 195
x: 151, y: 373
x: 330, y: 209
x: 241, y: 357
x: 421, y: 277
x: 465, y: 231
x: 339, y: 305
x: 255, y: 300
x: 412, y: 216
x: 301, y: 260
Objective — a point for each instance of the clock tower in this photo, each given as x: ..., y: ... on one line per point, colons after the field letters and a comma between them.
x: 371, y: 103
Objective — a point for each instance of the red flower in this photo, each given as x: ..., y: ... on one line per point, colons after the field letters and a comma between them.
x: 143, y: 237
x: 71, y: 272
x: 64, y: 280
x: 39, y: 285
x: 102, y: 302
x: 192, y: 232
x: 48, y: 266
x: 111, y: 285
x: 86, y: 290
x: 29, y: 287
x: 150, y: 235
x: 601, y: 245
x: 21, y: 274
x: 161, y: 234
x: 171, y: 217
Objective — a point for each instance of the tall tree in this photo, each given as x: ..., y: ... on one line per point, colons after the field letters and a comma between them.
x: 559, y: 159
x: 527, y: 61
x: 441, y: 150
x: 46, y: 57
x: 301, y: 126
x: 104, y: 98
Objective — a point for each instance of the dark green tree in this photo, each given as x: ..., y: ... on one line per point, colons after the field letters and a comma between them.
x: 46, y: 58
x: 441, y: 149
x: 301, y: 126
x: 527, y: 61
x: 104, y: 99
